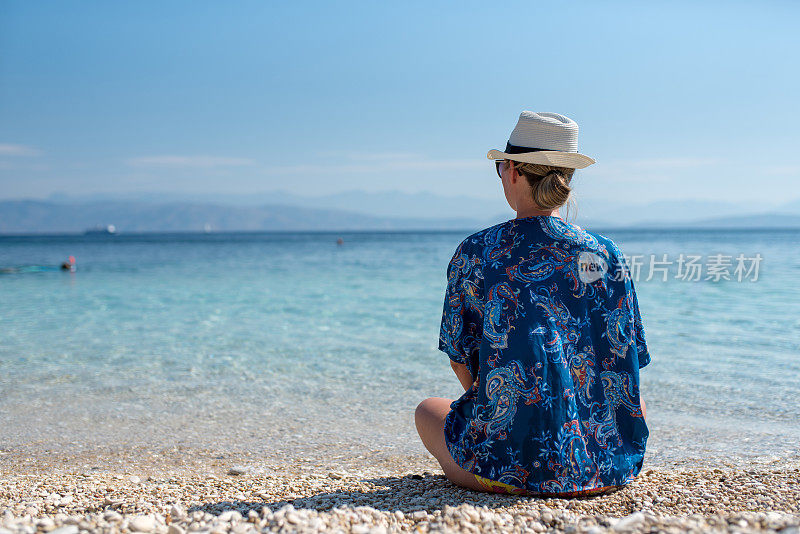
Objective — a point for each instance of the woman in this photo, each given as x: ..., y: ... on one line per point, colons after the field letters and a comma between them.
x: 542, y: 326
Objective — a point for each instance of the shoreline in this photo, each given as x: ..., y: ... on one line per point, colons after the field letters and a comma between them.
x: 182, y: 489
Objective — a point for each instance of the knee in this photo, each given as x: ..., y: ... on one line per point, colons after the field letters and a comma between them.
x: 432, y: 411
x: 428, y: 410
x: 423, y: 409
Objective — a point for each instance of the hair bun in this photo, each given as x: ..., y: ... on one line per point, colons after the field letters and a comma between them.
x: 550, y: 186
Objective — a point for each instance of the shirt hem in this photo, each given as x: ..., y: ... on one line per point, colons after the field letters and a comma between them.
x: 495, y: 485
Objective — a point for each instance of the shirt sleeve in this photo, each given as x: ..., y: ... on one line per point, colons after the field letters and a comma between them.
x: 637, y: 334
x: 461, y: 329
x: 621, y: 271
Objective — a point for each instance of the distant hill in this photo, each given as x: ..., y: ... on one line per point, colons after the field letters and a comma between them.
x: 148, y: 214
x: 393, y: 204
x: 591, y: 211
x: 30, y: 216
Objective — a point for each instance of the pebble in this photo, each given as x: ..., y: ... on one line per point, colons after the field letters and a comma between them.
x: 177, y: 511
x: 229, y: 516
x: 142, y: 523
x: 629, y: 522
x: 112, y: 516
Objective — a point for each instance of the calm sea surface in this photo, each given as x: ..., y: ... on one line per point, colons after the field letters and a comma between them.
x: 291, y: 342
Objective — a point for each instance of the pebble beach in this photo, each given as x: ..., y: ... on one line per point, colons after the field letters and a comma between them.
x: 179, y: 490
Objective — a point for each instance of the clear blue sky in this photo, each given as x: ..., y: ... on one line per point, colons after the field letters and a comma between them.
x: 674, y: 100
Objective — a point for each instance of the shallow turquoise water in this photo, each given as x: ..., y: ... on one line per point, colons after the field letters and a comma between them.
x: 247, y: 341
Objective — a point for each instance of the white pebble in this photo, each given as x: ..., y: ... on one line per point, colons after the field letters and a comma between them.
x: 45, y: 523
x: 111, y: 515
x: 230, y: 516
x: 69, y: 529
x: 177, y: 511
x: 629, y: 522
x: 142, y: 523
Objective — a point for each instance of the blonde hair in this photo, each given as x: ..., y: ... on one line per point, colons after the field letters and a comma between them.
x: 550, y: 185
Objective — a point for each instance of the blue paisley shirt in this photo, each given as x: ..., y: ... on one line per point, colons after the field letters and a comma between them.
x: 545, y: 316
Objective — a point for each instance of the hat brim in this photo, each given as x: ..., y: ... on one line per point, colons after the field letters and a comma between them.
x: 571, y: 160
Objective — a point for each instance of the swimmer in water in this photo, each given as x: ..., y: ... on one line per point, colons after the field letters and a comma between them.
x: 69, y: 265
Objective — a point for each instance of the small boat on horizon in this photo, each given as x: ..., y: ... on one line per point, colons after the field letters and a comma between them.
x: 108, y: 229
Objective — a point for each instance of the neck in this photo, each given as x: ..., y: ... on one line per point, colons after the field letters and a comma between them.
x: 532, y: 212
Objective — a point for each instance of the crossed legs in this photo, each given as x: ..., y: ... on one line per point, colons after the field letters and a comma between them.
x: 429, y: 418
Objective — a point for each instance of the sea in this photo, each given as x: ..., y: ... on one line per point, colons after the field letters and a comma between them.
x: 325, y: 342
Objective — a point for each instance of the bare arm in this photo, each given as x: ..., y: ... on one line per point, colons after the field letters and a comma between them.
x: 462, y: 372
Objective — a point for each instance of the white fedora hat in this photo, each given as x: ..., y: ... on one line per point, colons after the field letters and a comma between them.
x: 546, y: 139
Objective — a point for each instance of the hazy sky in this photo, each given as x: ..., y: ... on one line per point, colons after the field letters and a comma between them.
x: 679, y: 100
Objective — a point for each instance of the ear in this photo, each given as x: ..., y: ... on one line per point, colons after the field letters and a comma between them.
x: 512, y: 171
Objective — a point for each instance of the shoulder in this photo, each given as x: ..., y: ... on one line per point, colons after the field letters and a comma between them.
x: 571, y: 233
x: 470, y: 256
x: 474, y: 244
x: 604, y: 243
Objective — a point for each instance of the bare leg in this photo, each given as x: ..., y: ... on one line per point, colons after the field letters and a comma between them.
x: 429, y: 418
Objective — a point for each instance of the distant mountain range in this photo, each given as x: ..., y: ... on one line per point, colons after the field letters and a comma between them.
x: 354, y: 210
x: 27, y: 216
x: 392, y: 204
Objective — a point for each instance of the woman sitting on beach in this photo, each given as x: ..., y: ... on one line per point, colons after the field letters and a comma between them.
x: 543, y: 330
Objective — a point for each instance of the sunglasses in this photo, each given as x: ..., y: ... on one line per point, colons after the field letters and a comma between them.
x: 497, y: 164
